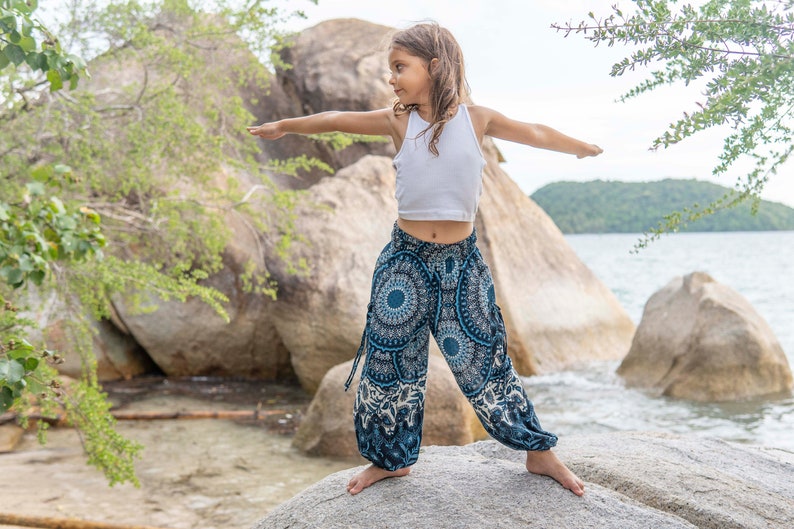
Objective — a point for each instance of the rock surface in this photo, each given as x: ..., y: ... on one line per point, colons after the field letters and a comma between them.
x: 190, y: 338
x: 337, y: 65
x: 634, y: 480
x: 701, y: 340
x: 327, y: 429
x: 10, y: 435
x: 118, y: 355
x: 346, y: 220
x: 557, y: 312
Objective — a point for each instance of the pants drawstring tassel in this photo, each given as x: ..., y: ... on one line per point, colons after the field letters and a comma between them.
x: 360, y: 349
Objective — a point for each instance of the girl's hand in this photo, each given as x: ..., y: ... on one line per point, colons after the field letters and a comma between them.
x: 268, y: 131
x: 590, y: 150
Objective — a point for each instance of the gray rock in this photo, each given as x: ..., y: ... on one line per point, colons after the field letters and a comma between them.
x: 336, y: 65
x: 346, y: 220
x: 708, y: 482
x: 190, y: 338
x: 10, y: 435
x: 117, y: 355
x: 701, y: 340
x: 633, y: 480
x: 557, y: 312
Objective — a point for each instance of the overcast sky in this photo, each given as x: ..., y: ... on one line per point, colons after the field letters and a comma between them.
x: 518, y: 65
x: 521, y: 67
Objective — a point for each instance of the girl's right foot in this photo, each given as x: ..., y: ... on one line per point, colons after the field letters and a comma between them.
x: 546, y: 463
x: 373, y: 474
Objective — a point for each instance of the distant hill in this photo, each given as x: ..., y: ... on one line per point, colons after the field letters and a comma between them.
x: 628, y: 207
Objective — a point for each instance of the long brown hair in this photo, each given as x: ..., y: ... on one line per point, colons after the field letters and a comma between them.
x: 448, y: 86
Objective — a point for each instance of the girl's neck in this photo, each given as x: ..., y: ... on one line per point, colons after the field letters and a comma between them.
x: 426, y: 113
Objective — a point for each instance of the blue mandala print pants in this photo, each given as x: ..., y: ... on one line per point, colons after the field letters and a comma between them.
x: 419, y: 288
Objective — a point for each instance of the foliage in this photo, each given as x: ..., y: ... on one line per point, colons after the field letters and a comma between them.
x: 38, y: 230
x: 339, y: 141
x: 635, y: 207
x: 89, y: 411
x: 156, y: 145
x: 739, y: 54
x: 25, y: 40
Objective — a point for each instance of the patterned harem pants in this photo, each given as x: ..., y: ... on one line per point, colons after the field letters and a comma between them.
x: 420, y: 288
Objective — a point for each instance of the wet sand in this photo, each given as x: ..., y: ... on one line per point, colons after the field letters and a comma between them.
x: 204, y: 473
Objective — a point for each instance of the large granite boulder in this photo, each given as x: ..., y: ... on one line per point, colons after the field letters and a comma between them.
x: 557, y: 312
x: 336, y: 65
x: 327, y: 429
x: 633, y: 480
x: 10, y: 435
x: 701, y: 340
x: 190, y: 338
x: 346, y: 220
x: 117, y: 355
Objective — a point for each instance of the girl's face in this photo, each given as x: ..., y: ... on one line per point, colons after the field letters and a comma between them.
x: 409, y: 78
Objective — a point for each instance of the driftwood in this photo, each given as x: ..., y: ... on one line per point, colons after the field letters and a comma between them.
x: 46, y: 522
x: 131, y: 415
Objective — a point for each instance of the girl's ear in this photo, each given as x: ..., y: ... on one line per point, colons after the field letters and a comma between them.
x: 431, y: 68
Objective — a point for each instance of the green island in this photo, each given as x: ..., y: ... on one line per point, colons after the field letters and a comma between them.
x: 601, y: 206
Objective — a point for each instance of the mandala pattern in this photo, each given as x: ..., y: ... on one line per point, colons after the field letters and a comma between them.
x: 401, y: 291
x: 446, y: 289
x: 475, y: 299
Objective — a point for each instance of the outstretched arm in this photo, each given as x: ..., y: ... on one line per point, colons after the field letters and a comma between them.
x: 534, y: 135
x: 374, y: 123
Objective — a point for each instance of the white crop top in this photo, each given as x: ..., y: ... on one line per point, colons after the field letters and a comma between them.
x: 443, y: 187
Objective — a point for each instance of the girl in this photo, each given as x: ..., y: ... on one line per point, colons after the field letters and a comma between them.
x: 431, y: 277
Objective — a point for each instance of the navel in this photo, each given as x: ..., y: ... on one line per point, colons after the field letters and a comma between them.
x: 434, y: 235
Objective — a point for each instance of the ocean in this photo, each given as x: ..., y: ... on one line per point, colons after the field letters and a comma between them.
x: 592, y: 399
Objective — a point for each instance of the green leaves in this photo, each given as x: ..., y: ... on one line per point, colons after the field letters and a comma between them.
x: 161, y: 162
x: 14, y: 54
x: 28, y: 41
x: 738, y: 55
x: 18, y: 369
x: 38, y: 230
x: 11, y: 371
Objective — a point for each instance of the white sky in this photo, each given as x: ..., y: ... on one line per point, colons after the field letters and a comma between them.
x: 518, y: 65
x: 521, y: 67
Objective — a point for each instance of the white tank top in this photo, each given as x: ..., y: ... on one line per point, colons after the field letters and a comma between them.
x: 443, y: 187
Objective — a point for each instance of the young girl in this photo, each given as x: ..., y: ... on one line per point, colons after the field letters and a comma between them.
x: 431, y: 277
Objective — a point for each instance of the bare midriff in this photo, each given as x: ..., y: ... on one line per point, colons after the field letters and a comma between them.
x: 438, y: 231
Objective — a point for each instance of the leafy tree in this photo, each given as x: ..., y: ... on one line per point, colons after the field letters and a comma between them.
x: 739, y: 53
x: 154, y: 143
x: 37, y: 231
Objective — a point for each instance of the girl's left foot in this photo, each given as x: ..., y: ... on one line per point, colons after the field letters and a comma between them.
x: 373, y: 474
x: 546, y: 463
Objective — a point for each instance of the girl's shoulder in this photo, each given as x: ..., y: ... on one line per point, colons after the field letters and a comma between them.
x: 398, y: 124
x: 480, y: 112
x: 480, y: 118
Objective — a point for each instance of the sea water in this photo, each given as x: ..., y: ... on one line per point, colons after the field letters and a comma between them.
x: 591, y: 399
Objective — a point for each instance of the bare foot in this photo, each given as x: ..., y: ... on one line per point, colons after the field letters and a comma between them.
x: 372, y: 474
x: 546, y: 463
